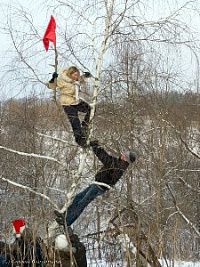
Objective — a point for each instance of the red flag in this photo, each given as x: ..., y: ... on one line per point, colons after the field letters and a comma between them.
x: 50, y: 33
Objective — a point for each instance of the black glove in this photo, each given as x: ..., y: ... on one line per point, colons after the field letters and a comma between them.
x: 54, y: 76
x: 60, y: 217
x: 87, y: 74
x: 94, y: 143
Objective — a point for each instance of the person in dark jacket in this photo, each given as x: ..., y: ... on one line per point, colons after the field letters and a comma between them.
x: 27, y: 248
x: 112, y: 170
x: 62, y: 251
x: 4, y: 254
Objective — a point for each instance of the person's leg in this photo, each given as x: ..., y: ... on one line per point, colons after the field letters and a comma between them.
x: 79, y: 197
x: 81, y: 201
x: 85, y: 108
x: 72, y: 114
x: 62, y: 216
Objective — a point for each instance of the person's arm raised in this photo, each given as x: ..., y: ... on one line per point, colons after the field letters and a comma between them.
x: 102, y: 155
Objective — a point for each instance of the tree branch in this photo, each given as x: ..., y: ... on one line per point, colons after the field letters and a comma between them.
x: 30, y: 190
x: 181, y: 213
x: 32, y: 155
x: 56, y: 139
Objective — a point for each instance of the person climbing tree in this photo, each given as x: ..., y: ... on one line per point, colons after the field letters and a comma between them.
x: 69, y: 83
x: 112, y: 170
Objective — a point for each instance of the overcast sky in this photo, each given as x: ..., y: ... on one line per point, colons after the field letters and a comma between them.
x: 41, y: 11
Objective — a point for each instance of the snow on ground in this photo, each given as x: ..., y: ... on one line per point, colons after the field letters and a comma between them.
x: 180, y: 264
x: 102, y: 263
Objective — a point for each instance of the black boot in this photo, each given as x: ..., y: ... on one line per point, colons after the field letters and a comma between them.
x: 60, y: 219
x: 81, y: 141
x: 85, y: 129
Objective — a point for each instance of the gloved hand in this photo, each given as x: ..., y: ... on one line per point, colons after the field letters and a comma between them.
x: 87, y: 74
x: 94, y: 143
x: 60, y: 217
x: 54, y: 76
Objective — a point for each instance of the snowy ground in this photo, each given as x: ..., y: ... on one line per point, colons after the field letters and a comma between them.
x: 101, y: 263
x: 180, y: 264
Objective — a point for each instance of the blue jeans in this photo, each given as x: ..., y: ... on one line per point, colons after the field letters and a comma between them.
x: 81, y: 201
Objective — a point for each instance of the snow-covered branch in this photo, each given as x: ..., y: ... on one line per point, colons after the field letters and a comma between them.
x: 56, y: 139
x: 30, y: 190
x: 32, y: 155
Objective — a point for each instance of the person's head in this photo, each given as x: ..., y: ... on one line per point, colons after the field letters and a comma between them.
x: 128, y: 156
x: 73, y: 73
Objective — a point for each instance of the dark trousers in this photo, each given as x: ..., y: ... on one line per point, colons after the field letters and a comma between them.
x: 81, y: 201
x: 72, y: 114
x: 3, y: 261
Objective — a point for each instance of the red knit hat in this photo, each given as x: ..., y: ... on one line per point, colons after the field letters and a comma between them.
x: 18, y: 226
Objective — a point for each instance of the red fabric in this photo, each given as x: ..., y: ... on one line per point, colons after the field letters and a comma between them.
x: 50, y: 33
x: 18, y: 224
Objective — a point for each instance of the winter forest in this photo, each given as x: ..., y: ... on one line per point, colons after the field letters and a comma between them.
x: 145, y: 96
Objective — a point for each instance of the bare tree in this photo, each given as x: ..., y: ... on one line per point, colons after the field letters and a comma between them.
x: 140, y: 105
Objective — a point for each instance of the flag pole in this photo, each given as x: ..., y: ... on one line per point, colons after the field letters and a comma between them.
x: 50, y: 36
x: 56, y: 69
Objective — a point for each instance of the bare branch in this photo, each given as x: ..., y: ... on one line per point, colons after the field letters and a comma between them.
x: 30, y: 190
x: 183, y: 141
x: 189, y: 186
x: 57, y: 139
x: 32, y: 155
x: 181, y: 213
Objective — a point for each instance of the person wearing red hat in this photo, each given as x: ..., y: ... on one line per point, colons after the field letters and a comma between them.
x: 26, y: 248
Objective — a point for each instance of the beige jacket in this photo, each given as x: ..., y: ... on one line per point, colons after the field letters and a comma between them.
x: 68, y: 88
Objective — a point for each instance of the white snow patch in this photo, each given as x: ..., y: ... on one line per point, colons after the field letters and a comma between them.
x: 124, y: 241
x: 178, y: 263
x: 103, y: 263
